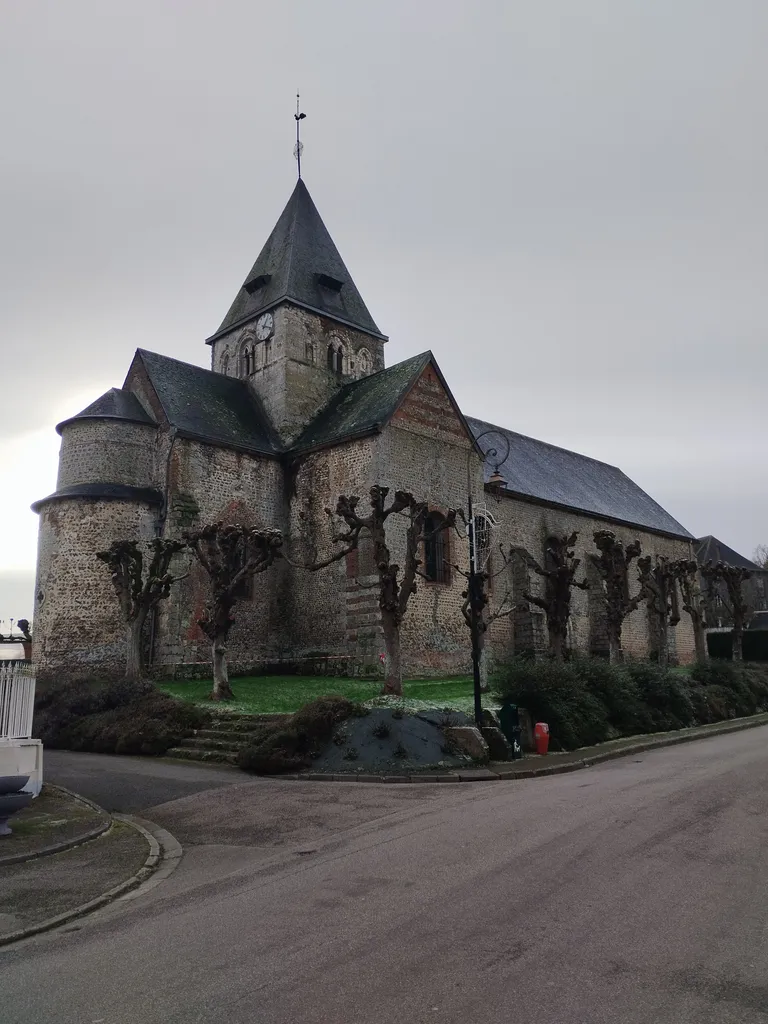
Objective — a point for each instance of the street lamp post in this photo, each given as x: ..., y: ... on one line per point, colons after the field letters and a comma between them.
x: 475, y: 579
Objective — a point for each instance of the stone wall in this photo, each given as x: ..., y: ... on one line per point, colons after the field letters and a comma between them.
x: 291, y: 376
x: 207, y: 484
x: 527, y: 524
x: 78, y: 629
x: 107, y: 451
x: 326, y: 620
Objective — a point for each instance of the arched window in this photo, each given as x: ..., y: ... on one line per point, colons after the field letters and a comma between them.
x: 224, y: 365
x: 267, y: 351
x: 364, y: 363
x: 336, y: 357
x: 309, y: 352
x: 436, y: 567
x: 246, y: 361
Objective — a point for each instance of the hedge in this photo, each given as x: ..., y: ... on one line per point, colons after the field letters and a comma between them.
x: 113, y: 718
x: 587, y: 701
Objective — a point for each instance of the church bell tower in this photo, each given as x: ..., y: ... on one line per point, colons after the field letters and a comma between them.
x: 298, y: 329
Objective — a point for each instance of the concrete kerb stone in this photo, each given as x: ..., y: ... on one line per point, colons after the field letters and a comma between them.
x: 488, y: 775
x: 140, y: 881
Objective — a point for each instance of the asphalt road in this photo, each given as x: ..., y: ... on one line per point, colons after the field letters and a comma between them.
x: 128, y: 785
x: 630, y: 892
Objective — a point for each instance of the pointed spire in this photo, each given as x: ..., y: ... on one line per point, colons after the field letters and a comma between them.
x: 300, y: 264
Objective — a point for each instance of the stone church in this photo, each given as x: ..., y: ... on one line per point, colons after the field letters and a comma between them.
x: 297, y: 408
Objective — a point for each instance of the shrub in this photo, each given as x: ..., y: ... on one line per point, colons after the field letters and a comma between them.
x: 556, y: 693
x: 619, y: 694
x: 289, y: 746
x: 664, y: 693
x: 114, y: 718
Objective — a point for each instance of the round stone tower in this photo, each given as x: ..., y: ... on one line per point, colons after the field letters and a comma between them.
x: 106, y: 490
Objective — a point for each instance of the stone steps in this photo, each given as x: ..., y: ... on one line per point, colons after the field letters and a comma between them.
x: 244, y: 723
x: 231, y: 736
x: 195, y: 754
x: 223, y: 739
x: 213, y: 743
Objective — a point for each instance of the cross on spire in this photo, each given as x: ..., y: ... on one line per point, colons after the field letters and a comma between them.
x: 298, y: 148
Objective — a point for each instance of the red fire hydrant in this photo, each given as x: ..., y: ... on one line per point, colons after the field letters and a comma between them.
x: 541, y: 737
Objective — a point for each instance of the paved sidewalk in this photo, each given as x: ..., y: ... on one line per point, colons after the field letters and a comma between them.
x: 37, y: 890
x: 55, y: 819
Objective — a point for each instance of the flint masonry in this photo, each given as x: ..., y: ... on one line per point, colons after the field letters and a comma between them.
x: 297, y: 408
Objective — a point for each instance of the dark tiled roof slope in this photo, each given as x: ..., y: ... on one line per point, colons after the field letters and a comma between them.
x: 209, y: 406
x: 710, y: 549
x: 364, y: 405
x: 115, y: 404
x: 295, y: 254
x: 557, y: 476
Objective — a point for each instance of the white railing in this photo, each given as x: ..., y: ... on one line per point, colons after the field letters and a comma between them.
x: 17, y: 701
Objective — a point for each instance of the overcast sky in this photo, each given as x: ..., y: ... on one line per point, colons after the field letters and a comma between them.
x: 566, y: 200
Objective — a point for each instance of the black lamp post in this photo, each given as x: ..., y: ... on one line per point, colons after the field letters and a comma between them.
x: 475, y: 579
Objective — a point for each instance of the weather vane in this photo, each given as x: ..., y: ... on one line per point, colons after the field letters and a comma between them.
x: 299, y: 147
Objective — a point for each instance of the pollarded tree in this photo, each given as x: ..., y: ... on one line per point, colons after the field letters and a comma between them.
x: 231, y: 556
x: 477, y: 594
x: 658, y: 588
x: 559, y: 574
x: 138, y: 592
x: 613, y: 564
x: 732, y: 578
x: 686, y: 572
x: 395, y: 586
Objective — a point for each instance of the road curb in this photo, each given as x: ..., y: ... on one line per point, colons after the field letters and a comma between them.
x: 141, y: 880
x: 65, y: 844
x: 488, y: 775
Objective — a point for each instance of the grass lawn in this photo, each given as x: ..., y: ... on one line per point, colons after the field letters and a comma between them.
x: 271, y: 694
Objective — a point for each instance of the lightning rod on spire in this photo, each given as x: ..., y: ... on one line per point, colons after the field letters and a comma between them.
x: 299, y: 147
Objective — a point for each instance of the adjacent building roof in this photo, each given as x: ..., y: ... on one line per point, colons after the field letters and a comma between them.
x: 544, y: 473
x: 115, y: 404
x: 300, y: 263
x: 363, y: 406
x: 209, y: 406
x: 710, y: 549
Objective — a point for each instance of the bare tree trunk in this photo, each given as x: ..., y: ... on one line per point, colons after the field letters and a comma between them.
x: 557, y: 645
x: 738, y: 645
x: 615, y: 653
x: 484, y: 659
x: 663, y: 634
x: 134, y: 661
x: 700, y: 641
x: 393, y: 668
x: 221, y: 688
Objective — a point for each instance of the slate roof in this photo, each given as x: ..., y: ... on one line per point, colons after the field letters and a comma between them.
x: 209, y: 406
x: 540, y: 471
x: 363, y: 406
x: 115, y: 404
x: 296, y: 254
x: 710, y: 549
x: 102, y: 492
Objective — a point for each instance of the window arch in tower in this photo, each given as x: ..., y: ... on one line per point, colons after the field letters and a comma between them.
x: 335, y: 357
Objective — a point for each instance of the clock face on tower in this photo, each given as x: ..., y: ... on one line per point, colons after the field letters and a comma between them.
x: 264, y: 326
